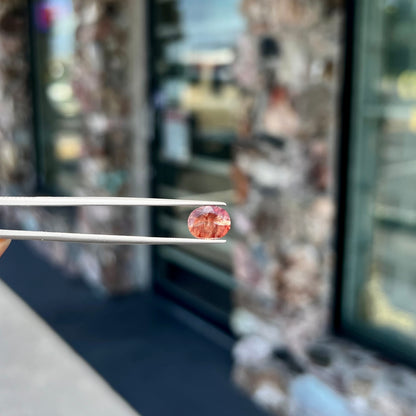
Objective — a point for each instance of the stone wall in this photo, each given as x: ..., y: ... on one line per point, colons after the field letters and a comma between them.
x: 101, y: 83
x: 289, y: 68
x: 16, y: 161
x: 282, y: 161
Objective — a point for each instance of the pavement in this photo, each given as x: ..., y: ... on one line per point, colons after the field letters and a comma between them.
x: 158, y: 357
x: 41, y: 375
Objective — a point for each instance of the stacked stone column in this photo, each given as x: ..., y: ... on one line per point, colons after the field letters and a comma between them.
x: 100, y: 81
x: 16, y: 155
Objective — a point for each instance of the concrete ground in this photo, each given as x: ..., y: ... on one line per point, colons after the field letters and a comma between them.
x: 41, y: 375
x: 160, y: 358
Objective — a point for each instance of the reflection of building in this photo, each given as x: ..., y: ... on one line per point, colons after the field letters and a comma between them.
x: 246, y: 113
x: 213, y: 102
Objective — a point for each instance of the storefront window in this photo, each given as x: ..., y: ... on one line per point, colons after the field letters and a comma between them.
x: 56, y: 110
x: 197, y: 106
x: 379, y: 283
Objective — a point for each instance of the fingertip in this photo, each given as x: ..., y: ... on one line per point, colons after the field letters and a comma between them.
x: 3, y: 245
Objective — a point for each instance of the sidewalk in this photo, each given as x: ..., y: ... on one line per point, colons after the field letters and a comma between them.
x: 161, y: 359
x: 41, y: 375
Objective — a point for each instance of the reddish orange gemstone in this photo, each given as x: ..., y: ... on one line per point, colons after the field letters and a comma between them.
x: 209, y: 222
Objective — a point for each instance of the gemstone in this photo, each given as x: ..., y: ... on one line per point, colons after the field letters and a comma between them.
x: 209, y: 222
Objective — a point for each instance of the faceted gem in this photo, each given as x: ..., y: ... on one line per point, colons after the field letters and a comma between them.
x: 209, y: 222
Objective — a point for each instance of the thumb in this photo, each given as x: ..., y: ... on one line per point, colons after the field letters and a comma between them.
x: 3, y: 245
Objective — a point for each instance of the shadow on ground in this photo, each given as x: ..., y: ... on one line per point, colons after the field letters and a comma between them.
x: 158, y: 363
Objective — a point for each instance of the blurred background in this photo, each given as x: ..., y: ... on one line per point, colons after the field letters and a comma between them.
x: 300, y: 114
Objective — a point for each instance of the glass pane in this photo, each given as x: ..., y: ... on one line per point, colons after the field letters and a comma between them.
x: 58, y: 122
x: 197, y: 104
x: 380, y: 271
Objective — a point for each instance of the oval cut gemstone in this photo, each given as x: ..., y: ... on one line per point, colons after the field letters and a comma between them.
x: 209, y: 222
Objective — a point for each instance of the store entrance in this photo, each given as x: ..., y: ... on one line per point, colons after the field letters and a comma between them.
x: 196, y: 107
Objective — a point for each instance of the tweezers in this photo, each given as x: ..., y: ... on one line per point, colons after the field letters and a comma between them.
x: 48, y: 201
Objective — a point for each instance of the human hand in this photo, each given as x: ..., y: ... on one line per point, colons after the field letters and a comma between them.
x: 3, y: 245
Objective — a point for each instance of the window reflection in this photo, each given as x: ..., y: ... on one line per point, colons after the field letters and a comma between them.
x: 381, y: 241
x: 198, y: 104
x: 58, y: 110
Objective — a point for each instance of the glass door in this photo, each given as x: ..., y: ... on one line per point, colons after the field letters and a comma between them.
x: 379, y: 271
x: 196, y: 107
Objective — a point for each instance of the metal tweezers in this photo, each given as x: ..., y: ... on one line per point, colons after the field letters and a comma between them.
x: 40, y: 201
